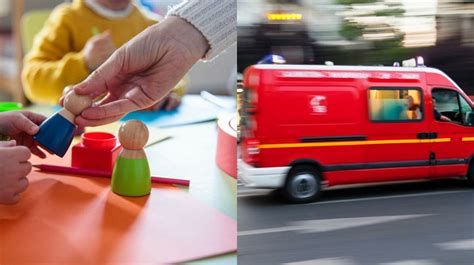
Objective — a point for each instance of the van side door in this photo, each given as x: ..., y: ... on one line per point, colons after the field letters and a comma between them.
x: 398, y: 146
x: 450, y: 113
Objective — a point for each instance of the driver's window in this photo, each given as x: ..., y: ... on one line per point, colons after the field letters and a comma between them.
x: 446, y: 105
x: 466, y: 111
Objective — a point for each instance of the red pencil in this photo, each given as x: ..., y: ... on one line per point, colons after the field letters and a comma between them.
x: 104, y: 174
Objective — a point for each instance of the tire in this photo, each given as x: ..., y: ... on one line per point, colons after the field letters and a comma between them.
x: 470, y: 175
x: 303, y: 184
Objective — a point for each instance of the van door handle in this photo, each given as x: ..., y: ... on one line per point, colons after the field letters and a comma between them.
x: 432, y: 135
x: 422, y: 135
x: 427, y: 135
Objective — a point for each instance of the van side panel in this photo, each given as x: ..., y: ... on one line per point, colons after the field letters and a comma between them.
x: 313, y: 119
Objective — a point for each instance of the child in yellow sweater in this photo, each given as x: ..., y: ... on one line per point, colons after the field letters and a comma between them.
x: 70, y: 47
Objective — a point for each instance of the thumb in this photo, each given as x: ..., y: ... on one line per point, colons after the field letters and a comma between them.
x: 23, y: 124
x: 7, y: 143
x: 107, y: 76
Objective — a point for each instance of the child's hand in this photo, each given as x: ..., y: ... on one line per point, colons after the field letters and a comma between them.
x: 21, y: 126
x: 98, y: 49
x: 14, y: 167
x: 169, y: 103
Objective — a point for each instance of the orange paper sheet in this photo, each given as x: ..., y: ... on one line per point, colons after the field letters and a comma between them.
x: 75, y: 220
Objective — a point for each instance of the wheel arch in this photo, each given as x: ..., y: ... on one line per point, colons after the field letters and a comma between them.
x: 470, y: 163
x: 310, y: 162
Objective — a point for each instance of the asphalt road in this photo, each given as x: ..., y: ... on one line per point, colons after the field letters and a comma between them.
x: 422, y: 223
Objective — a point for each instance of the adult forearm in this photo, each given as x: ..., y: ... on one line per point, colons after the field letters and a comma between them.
x: 215, y: 19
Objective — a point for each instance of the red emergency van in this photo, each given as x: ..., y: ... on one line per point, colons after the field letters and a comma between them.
x: 306, y: 127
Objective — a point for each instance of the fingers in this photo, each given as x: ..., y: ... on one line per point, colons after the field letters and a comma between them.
x: 22, y: 185
x: 13, y: 171
x: 7, y: 143
x: 34, y: 117
x: 14, y: 199
x: 96, y: 84
x: 158, y: 105
x: 18, y: 153
x: 24, y: 124
x: 173, y: 102
x: 66, y: 90
x: 104, y: 36
x: 108, y: 75
x: 36, y: 151
x: 10, y: 194
x: 85, y: 122
x: 107, y: 99
x: 24, y: 168
x: 9, y: 198
x: 115, y: 108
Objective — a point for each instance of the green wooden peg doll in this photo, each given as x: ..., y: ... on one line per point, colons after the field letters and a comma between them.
x: 131, y: 174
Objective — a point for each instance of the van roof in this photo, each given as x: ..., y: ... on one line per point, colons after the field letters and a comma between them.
x: 347, y: 68
x: 354, y: 68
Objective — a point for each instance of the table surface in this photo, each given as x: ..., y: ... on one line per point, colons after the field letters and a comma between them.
x: 190, y: 154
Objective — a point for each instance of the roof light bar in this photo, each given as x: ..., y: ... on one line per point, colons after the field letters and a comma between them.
x: 414, y: 62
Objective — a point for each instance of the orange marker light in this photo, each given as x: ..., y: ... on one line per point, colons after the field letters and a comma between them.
x: 284, y: 16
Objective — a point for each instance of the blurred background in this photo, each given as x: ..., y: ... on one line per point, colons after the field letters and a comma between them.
x: 360, y: 32
x: 222, y: 69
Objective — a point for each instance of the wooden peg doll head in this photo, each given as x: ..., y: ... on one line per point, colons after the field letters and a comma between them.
x: 133, y: 135
x: 75, y: 103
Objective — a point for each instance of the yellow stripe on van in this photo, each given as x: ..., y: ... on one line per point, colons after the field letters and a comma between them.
x: 467, y: 139
x: 350, y: 143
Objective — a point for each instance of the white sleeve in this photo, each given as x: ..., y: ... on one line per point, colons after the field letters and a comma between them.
x: 215, y: 19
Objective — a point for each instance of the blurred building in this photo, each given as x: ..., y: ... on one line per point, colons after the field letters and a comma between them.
x: 455, y: 20
x: 454, y: 49
x: 360, y: 32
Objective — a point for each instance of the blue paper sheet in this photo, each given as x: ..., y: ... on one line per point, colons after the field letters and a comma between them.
x: 193, y: 109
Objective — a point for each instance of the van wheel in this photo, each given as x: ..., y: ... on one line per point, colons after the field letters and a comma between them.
x: 303, y: 184
x: 470, y: 175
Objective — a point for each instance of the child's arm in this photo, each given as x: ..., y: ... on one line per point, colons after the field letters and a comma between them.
x: 53, y: 64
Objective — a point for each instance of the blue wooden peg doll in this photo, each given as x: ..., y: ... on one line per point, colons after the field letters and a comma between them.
x: 56, y: 133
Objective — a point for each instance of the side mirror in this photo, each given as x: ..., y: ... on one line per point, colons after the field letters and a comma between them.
x: 469, y: 118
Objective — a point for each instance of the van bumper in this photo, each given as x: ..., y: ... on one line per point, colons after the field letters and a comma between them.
x: 266, y: 177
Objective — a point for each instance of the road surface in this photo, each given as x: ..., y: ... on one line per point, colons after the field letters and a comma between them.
x: 422, y: 223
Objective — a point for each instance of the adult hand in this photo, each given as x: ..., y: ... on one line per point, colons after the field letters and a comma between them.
x: 14, y: 167
x: 98, y: 49
x: 169, y: 103
x: 21, y: 126
x: 142, y: 71
x: 444, y: 118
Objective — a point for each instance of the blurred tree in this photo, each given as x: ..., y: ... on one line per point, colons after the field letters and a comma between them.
x: 353, y: 30
x: 350, y: 30
x: 371, y: 26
